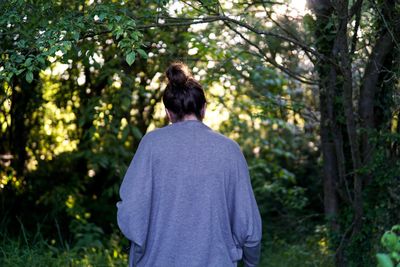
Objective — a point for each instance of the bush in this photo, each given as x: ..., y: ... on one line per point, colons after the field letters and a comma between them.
x: 35, y: 251
x: 391, y: 242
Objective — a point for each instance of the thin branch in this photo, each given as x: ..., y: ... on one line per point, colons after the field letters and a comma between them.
x: 389, y: 29
x: 289, y: 33
x: 263, y: 2
x: 182, y: 21
x: 191, y: 5
x: 356, y: 8
x: 343, y: 239
x: 260, y: 53
x: 271, y: 61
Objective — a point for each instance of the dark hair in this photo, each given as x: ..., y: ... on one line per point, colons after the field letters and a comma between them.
x: 183, y: 95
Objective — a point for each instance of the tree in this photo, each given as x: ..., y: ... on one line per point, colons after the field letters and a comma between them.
x: 67, y: 33
x: 283, y: 75
x: 353, y: 54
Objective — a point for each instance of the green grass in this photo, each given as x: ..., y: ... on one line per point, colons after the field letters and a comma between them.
x: 35, y: 251
x: 302, y: 254
x: 15, y: 253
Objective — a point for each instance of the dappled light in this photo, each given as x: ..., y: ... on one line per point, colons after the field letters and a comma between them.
x: 309, y: 90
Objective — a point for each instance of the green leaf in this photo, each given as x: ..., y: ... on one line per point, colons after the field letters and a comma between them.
x: 390, y: 240
x: 309, y: 22
x: 67, y: 46
x: 118, y: 32
x: 102, y: 16
x: 28, y: 62
x: 136, y: 132
x: 142, y: 53
x: 130, y: 58
x: 134, y: 36
x: 29, y: 76
x: 384, y: 260
x: 395, y: 256
x: 125, y: 133
x: 41, y: 60
x: 396, y: 228
x: 125, y: 103
x: 18, y: 72
x: 75, y: 35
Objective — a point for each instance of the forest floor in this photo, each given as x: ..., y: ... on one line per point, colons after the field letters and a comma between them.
x: 22, y: 252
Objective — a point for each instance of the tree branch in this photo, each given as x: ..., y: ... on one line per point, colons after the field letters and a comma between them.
x: 356, y: 8
x: 184, y: 21
x: 271, y: 61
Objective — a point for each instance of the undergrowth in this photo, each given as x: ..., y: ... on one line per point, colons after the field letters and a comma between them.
x: 36, y: 251
x: 17, y: 252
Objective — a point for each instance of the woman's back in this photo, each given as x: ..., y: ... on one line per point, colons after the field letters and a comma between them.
x: 187, y: 198
x: 190, y: 226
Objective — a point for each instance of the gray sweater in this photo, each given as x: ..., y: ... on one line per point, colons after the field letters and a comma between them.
x: 187, y: 200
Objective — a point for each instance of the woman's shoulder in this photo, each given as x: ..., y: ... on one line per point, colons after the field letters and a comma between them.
x: 156, y: 135
x: 222, y: 142
x: 208, y: 135
x: 225, y: 140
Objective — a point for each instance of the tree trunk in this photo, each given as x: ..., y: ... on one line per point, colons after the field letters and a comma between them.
x: 23, y: 94
x: 382, y: 50
x: 331, y: 137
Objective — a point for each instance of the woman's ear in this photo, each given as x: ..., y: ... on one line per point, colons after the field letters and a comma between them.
x: 171, y: 115
x: 168, y: 114
x: 203, y: 111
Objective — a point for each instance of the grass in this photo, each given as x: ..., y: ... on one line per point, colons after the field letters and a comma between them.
x: 18, y: 253
x: 15, y: 253
x: 302, y: 254
x: 35, y: 251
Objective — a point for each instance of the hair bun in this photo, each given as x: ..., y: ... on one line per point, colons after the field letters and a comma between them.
x: 178, y: 74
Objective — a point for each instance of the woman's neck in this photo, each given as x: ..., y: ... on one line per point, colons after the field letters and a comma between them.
x: 190, y: 117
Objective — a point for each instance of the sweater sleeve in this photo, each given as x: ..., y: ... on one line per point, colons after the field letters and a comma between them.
x: 245, y: 217
x: 133, y: 213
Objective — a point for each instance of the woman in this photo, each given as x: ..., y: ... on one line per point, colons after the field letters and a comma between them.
x: 186, y: 198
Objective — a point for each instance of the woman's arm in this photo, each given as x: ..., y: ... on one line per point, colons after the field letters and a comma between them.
x: 135, y: 192
x: 245, y: 216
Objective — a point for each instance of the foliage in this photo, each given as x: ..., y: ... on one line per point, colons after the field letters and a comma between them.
x: 36, y: 251
x: 308, y: 253
x: 391, y: 242
x: 382, y: 203
x: 30, y: 42
x: 82, y: 83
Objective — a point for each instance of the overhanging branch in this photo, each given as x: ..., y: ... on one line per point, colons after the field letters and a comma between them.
x: 184, y: 21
